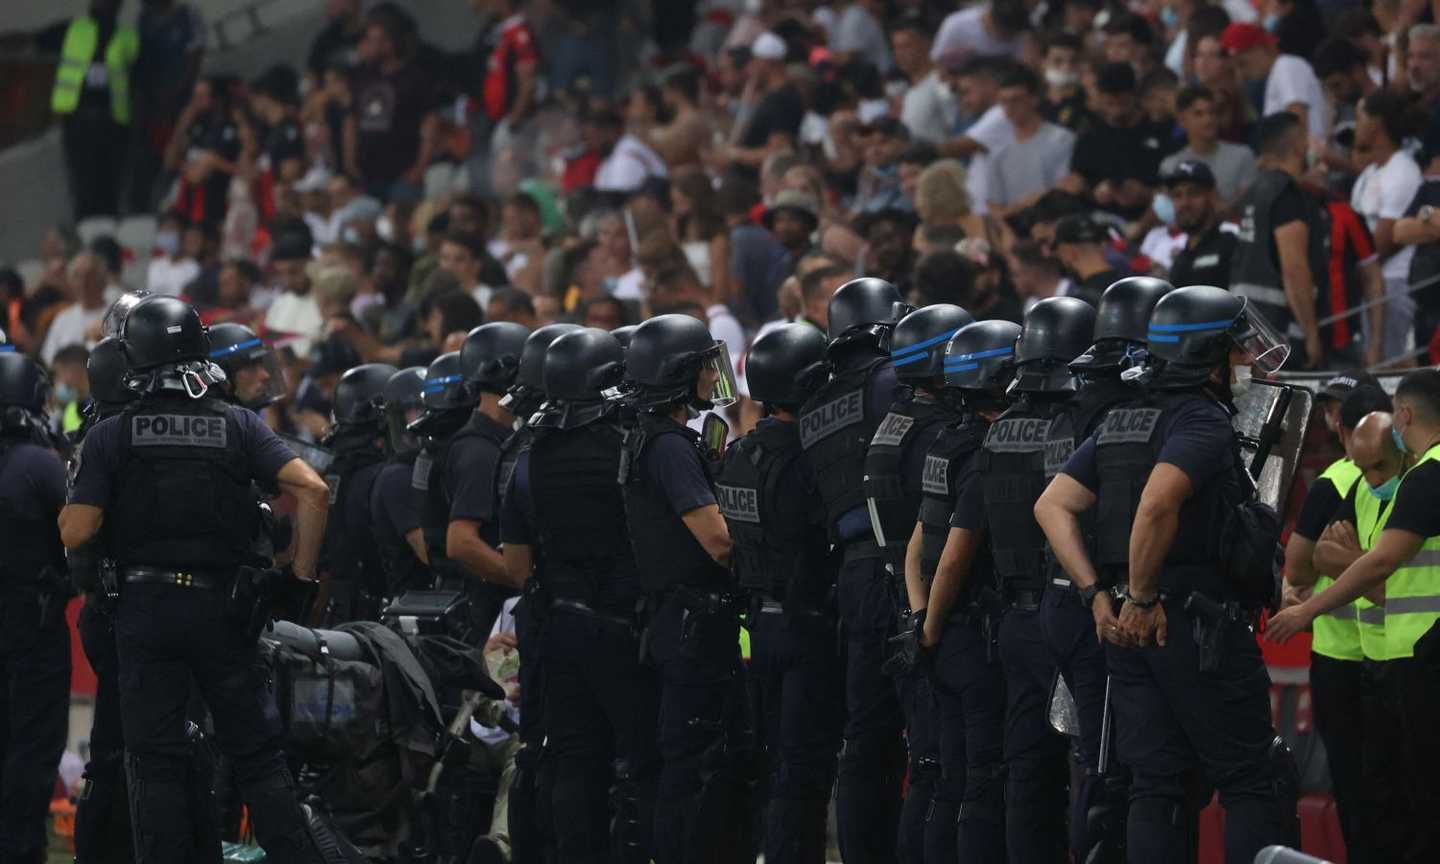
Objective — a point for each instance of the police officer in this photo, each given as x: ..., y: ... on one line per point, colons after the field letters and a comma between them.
x: 836, y: 427
x: 952, y: 587
x: 398, y: 536
x: 354, y: 581
x: 894, y: 466
x: 252, y: 375
x: 682, y: 548
x: 1097, y: 815
x: 780, y: 551
x: 34, y: 638
x: 467, y: 427
x: 170, y: 478
x: 564, y: 525
x: 1188, y: 685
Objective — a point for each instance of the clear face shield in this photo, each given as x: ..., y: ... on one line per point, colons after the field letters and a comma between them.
x: 258, y: 383
x: 715, y: 382
x: 1263, y: 346
x: 114, y: 321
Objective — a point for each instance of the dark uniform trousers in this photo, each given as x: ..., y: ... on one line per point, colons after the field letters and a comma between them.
x: 34, y: 716
x: 165, y: 636
x: 872, y: 759
x: 970, y: 692
x: 922, y: 739
x: 1417, y: 686
x: 1036, y: 770
x: 1385, y: 808
x: 1171, y: 717
x: 600, y: 705
x: 1337, y: 690
x: 529, y: 814
x: 794, y: 681
x: 1069, y: 629
x: 697, y: 653
x: 102, y: 827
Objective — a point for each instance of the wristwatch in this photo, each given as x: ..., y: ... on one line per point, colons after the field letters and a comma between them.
x: 1143, y: 604
x: 1426, y: 213
x: 1087, y: 594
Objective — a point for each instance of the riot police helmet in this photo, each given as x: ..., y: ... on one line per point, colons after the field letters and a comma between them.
x: 23, y: 384
x: 623, y: 334
x: 1121, y: 324
x: 981, y: 357
x: 106, y: 368
x: 673, y: 358
x: 490, y: 356
x: 252, y: 371
x: 444, y: 388
x: 113, y: 324
x: 161, y: 330
x: 917, y: 344
x: 360, y: 395
x: 864, y: 310
x: 786, y: 366
x: 403, y: 401
x: 580, y: 367
x: 1055, y: 332
x: 1197, y: 328
x: 528, y: 392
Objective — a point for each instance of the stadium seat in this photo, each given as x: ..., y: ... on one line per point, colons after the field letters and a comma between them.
x: 95, y: 226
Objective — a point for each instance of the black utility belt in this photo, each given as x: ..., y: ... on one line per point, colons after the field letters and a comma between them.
x: 584, y: 609
x: 706, y: 602
x: 1023, y: 599
x: 209, y: 580
x: 860, y: 549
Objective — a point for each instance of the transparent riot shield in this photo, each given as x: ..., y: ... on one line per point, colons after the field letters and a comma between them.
x: 1271, y: 422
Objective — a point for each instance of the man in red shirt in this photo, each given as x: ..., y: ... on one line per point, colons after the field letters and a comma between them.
x: 509, y: 87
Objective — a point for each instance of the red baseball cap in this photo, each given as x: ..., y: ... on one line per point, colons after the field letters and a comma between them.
x: 1239, y: 38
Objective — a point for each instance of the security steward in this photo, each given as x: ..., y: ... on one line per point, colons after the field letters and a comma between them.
x: 1188, y: 685
x: 894, y: 481
x: 837, y: 425
x: 398, y: 536
x: 682, y: 548
x: 952, y: 585
x: 353, y: 579
x: 173, y: 474
x: 1403, y: 562
x: 1337, y: 669
x: 34, y: 638
x: 780, y: 558
x: 252, y: 374
x: 564, y: 525
x: 1097, y: 814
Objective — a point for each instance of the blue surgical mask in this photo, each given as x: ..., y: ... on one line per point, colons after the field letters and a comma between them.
x: 1169, y: 17
x: 1399, y: 440
x: 1385, y: 491
x: 1271, y: 22
x: 1164, y: 208
x: 65, y: 394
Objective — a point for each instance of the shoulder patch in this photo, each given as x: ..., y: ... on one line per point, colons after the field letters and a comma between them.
x: 420, y: 474
x: 935, y: 479
x: 178, y: 430
x: 825, y: 420
x: 1018, y: 435
x: 892, y: 430
x: 738, y: 503
x: 1128, y: 426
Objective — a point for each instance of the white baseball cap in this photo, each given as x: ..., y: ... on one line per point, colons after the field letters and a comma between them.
x: 768, y: 46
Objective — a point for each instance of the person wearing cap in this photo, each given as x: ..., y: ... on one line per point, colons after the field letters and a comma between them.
x: 1080, y: 247
x: 1290, y: 82
x: 1118, y: 159
x: 1208, y: 251
x: 1232, y: 166
x: 777, y: 108
x: 1039, y: 156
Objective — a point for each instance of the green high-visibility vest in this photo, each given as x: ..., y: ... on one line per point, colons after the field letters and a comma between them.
x: 1412, y: 593
x: 76, y: 55
x: 1336, y: 633
x: 1371, y: 514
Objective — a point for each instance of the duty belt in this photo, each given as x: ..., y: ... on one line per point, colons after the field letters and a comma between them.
x: 1024, y: 599
x: 862, y: 548
x: 1063, y: 584
x: 581, y: 608
x: 208, y: 580
x: 709, y: 602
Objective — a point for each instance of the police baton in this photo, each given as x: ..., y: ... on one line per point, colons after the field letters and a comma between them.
x: 1106, y: 731
x: 1271, y: 430
x: 1285, y: 855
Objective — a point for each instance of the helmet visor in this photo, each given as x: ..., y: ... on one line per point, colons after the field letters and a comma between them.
x: 258, y: 382
x: 1264, y: 346
x: 716, y: 381
x: 397, y: 433
x: 114, y: 321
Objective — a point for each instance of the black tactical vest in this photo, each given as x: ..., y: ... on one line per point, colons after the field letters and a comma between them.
x: 1012, y: 472
x: 836, y: 435
x: 402, y: 569
x: 29, y: 536
x: 518, y: 442
x: 894, y: 499
x: 1127, y: 445
x: 349, y: 552
x: 579, y: 512
x: 1255, y: 268
x: 776, y: 560
x: 944, y: 462
x: 429, y: 479
x: 667, y: 554
x: 182, y: 498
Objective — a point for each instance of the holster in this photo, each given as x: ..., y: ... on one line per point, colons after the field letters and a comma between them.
x: 1208, y: 620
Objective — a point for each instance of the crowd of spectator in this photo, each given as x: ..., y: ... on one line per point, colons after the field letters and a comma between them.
x: 736, y: 160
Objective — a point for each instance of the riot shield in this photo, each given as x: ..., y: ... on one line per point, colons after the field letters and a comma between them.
x: 1271, y: 421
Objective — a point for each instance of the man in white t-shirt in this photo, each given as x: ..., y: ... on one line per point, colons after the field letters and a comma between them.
x: 293, y: 319
x: 85, y: 283
x: 1290, y: 82
x: 984, y: 30
x: 928, y: 110
x: 462, y: 253
x: 979, y: 82
x: 628, y: 162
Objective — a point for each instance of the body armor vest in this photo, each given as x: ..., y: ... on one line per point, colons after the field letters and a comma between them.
x: 579, y: 512
x: 835, y: 435
x: 1012, y: 472
x: 183, y: 497
x: 667, y: 554
x: 779, y: 561
x: 1255, y: 271
x: 944, y: 462
x: 1068, y: 431
x: 894, y: 499
x: 430, y: 470
x: 29, y: 539
x: 351, y: 554
x: 518, y: 442
x: 402, y: 569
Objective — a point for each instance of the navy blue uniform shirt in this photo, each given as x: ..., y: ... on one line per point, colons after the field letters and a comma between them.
x: 672, y: 464
x: 392, y: 503
x: 470, y: 478
x: 1197, y: 438
x: 516, y: 513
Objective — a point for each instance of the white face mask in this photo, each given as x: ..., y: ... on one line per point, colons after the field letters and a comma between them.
x: 385, y: 229
x: 1241, y: 380
x: 1060, y: 77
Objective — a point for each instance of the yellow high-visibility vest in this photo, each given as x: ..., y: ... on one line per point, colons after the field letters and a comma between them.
x: 1371, y: 515
x: 1336, y: 633
x: 76, y: 56
x: 1412, y: 593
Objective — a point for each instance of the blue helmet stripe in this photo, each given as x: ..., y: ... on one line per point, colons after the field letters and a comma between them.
x: 914, y: 358
x: 1162, y: 337
x: 239, y: 346
x: 961, y: 367
x: 928, y: 343
x: 1190, y: 328
x: 981, y: 355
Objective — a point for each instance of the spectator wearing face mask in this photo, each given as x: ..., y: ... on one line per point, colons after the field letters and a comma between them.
x: 1064, y: 98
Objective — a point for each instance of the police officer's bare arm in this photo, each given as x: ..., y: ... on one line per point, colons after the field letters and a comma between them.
x: 313, y: 497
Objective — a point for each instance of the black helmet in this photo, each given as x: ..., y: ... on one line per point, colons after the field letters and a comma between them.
x: 113, y: 324
x: 1056, y: 331
x: 23, y: 383
x: 161, y: 331
x: 917, y: 344
x: 403, y: 403
x: 981, y: 357
x: 1121, y: 322
x: 528, y: 391
x: 786, y: 365
x: 864, y: 307
x: 1193, y: 330
x: 235, y: 348
x: 579, y: 367
x: 623, y: 334
x: 359, y: 396
x: 665, y: 359
x: 106, y: 370
x: 490, y: 356
x: 444, y: 385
